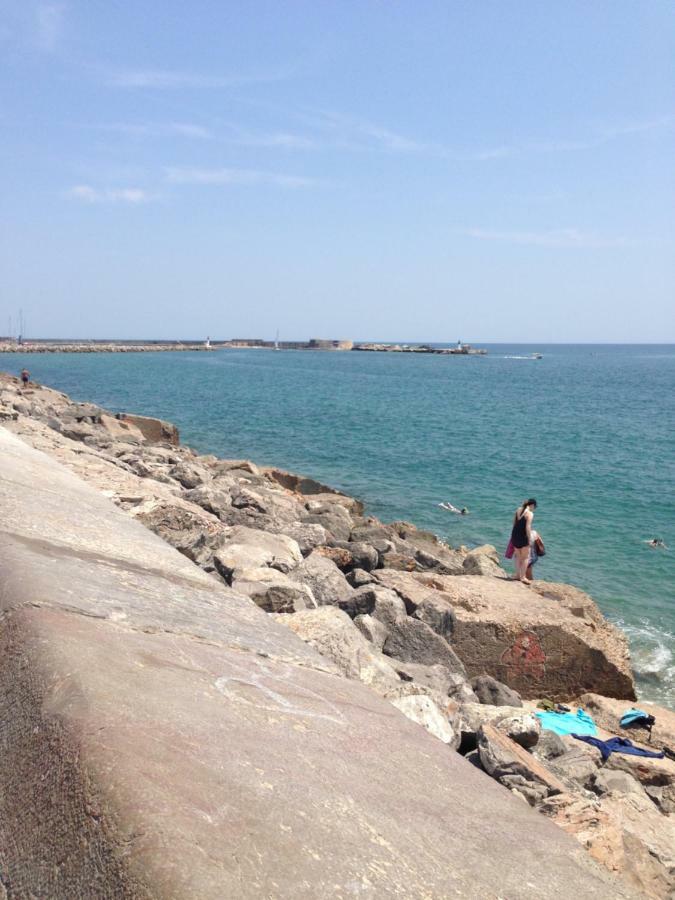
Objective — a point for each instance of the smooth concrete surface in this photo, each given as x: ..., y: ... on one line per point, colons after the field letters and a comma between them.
x: 161, y: 737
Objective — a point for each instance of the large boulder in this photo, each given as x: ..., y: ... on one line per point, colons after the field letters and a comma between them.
x: 334, y: 635
x: 514, y: 767
x: 326, y: 582
x: 423, y: 710
x: 624, y: 833
x: 334, y: 518
x: 196, y: 534
x: 412, y: 641
x: 373, y: 631
x: 248, y: 548
x: 489, y: 690
x: 542, y: 643
x: 437, y: 678
x: 308, y: 535
x: 518, y: 724
x: 483, y: 560
x: 410, y: 589
x: 155, y: 431
x: 273, y: 591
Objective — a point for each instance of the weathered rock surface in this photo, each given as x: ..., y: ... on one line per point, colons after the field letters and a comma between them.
x: 373, y: 631
x: 334, y: 635
x: 139, y: 702
x: 483, y: 560
x: 422, y: 709
x: 326, y: 582
x: 249, y: 548
x: 412, y: 641
x: 273, y: 591
x: 545, y: 642
x: 521, y: 726
x: 514, y: 767
x: 625, y: 834
x: 493, y: 692
x: 154, y: 431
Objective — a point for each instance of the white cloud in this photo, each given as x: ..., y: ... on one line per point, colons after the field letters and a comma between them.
x: 49, y: 25
x: 232, y: 176
x: 562, y: 237
x: 88, y: 194
x: 168, y: 79
x: 157, y: 129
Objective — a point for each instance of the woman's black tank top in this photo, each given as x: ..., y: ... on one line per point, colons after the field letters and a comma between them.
x: 519, y: 532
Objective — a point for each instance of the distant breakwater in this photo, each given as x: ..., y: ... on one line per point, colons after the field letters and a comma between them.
x: 68, y: 346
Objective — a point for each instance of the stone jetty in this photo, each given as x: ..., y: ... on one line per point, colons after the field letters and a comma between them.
x: 257, y: 704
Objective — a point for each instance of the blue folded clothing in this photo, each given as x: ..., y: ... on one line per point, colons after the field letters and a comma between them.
x: 567, y: 722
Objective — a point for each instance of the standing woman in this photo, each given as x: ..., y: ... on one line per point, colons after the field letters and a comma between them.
x: 521, y: 537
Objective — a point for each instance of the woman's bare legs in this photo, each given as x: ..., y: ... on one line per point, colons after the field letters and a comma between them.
x: 522, y: 555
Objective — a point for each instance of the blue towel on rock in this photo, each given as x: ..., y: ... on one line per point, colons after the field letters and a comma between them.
x: 567, y: 722
x: 618, y: 745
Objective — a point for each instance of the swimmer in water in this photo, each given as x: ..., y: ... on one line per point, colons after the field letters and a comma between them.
x: 453, y: 509
x: 656, y: 542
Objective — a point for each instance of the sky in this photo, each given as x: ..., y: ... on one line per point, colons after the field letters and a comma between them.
x: 364, y: 169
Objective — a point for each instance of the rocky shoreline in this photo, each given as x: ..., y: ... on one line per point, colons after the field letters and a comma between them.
x: 440, y: 632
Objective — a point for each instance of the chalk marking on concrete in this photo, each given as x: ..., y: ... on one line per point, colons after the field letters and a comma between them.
x: 278, y: 703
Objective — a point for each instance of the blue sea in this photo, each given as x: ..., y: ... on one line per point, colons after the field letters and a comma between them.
x: 588, y: 430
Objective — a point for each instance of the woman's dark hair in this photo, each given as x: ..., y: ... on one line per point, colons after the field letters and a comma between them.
x: 530, y: 502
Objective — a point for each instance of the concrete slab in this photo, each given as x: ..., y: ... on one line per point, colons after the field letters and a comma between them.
x: 162, y: 737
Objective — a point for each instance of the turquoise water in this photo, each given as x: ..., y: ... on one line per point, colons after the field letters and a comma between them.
x: 587, y: 430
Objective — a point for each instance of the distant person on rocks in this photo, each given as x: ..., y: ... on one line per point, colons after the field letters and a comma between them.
x: 25, y: 377
x: 521, y: 538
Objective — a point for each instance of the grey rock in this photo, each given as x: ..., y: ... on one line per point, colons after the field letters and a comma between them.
x: 272, y: 590
x: 549, y: 746
x: 334, y: 635
x: 361, y: 601
x: 444, y: 564
x: 524, y: 729
x: 372, y: 630
x: 364, y: 556
x: 412, y: 641
x: 407, y: 586
x: 211, y: 498
x: 493, y: 692
x: 80, y: 431
x: 389, y: 608
x: 437, y: 613
x: 308, y: 535
x: 358, y: 577
x: 607, y: 781
x: 372, y: 534
x: 503, y: 759
x: 82, y: 412
x: 249, y: 548
x: 423, y: 710
x: 326, y: 582
x: 437, y: 678
x: 190, y: 476
x: 195, y: 534
x: 482, y: 561
x: 335, y: 519
x: 520, y: 726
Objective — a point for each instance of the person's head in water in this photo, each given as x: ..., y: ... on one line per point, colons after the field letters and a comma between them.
x: 464, y: 510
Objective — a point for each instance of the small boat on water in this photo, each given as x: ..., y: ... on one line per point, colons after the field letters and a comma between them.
x: 537, y: 356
